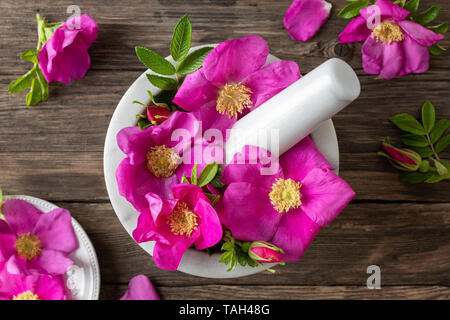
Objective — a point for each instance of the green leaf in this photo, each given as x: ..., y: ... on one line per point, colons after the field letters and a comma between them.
x: 194, y: 175
x: 442, y: 144
x: 415, y: 177
x: 181, y: 39
x: 208, y: 174
x: 43, y: 84
x: 226, y: 257
x: 412, y: 6
x: 408, y: 123
x: 216, y: 183
x: 245, y: 246
x: 143, y: 123
x: 24, y: 82
x: 162, y: 82
x: 35, y: 94
x: 414, y: 140
x: 184, y: 179
x: 439, y: 130
x: 428, y: 15
x: 424, y: 152
x: 194, y: 60
x: 435, y: 178
x: 242, y: 258
x: 440, y: 28
x: 436, y: 49
x: 233, y: 261
x: 441, y: 169
x: 30, y: 55
x: 352, y: 10
x: 428, y: 116
x: 154, y: 61
x: 227, y: 246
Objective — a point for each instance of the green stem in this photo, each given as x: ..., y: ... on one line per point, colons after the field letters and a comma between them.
x: 432, y: 147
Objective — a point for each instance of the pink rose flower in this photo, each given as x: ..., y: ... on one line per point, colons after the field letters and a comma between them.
x: 31, y: 287
x: 33, y: 242
x: 64, y: 56
x: 265, y: 252
x: 233, y: 81
x: 155, y: 162
x: 304, y: 18
x: 287, y: 208
x: 140, y: 288
x: 396, y: 46
x: 176, y: 224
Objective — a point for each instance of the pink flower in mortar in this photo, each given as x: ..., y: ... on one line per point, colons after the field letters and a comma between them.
x: 304, y: 18
x: 233, y: 81
x: 140, y: 288
x: 155, y: 162
x: 34, y: 242
x: 175, y: 224
x: 265, y: 252
x: 64, y: 56
x: 30, y: 287
x: 288, y: 207
x: 396, y: 46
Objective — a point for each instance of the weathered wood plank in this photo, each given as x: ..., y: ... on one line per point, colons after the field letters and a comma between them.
x: 231, y: 292
x: 411, y: 244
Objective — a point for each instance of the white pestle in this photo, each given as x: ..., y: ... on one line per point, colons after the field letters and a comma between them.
x: 291, y: 115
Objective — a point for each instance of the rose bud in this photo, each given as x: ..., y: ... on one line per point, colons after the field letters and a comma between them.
x: 402, y: 159
x: 265, y: 252
x: 157, y: 114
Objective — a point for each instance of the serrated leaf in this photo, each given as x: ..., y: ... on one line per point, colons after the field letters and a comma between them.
x: 428, y: 116
x: 352, y: 10
x: 436, y: 49
x: 233, y: 261
x: 34, y: 96
x: 414, y: 140
x: 162, y: 82
x: 435, y: 178
x: 242, y: 258
x: 415, y: 177
x: 441, y: 169
x: 181, y: 39
x: 208, y: 174
x: 30, y: 55
x: 227, y: 246
x: 23, y: 83
x: 412, y: 6
x: 194, y: 61
x: 440, y: 28
x: 194, y: 174
x: 442, y: 144
x: 439, y: 130
x: 424, y: 152
x: 154, y: 61
x: 427, y: 16
x: 408, y: 123
x: 226, y: 257
x: 216, y: 183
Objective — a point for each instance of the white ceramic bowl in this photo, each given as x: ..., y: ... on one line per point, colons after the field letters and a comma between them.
x: 194, y: 262
x: 83, y: 278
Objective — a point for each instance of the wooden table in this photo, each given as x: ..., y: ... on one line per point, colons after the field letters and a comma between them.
x: 54, y: 151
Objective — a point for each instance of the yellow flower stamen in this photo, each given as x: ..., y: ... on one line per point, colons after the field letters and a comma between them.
x: 28, y: 246
x: 388, y: 32
x: 162, y: 161
x: 285, y: 195
x: 233, y: 99
x: 182, y: 221
x: 27, y: 295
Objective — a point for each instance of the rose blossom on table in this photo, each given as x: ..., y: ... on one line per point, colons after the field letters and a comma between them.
x: 64, y: 56
x: 30, y: 287
x: 288, y: 207
x: 233, y: 81
x: 304, y: 18
x: 396, y: 46
x: 175, y: 224
x: 33, y: 242
x: 157, y: 114
x: 402, y: 159
x: 140, y: 288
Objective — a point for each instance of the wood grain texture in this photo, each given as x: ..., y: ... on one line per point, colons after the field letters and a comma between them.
x: 54, y: 151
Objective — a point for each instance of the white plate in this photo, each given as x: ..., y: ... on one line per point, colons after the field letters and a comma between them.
x: 194, y: 262
x: 83, y: 278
